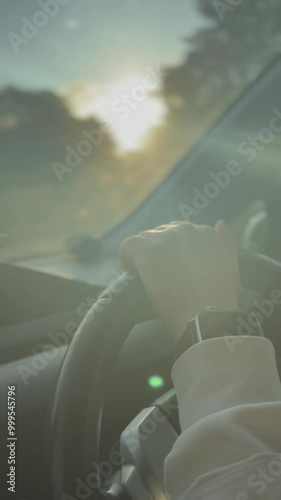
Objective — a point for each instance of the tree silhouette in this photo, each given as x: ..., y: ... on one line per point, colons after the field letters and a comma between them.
x: 221, y: 60
x: 35, y: 129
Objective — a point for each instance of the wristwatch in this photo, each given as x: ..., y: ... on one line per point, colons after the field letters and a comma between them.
x: 213, y: 323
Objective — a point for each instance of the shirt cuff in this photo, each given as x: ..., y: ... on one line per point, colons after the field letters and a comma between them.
x: 220, y: 373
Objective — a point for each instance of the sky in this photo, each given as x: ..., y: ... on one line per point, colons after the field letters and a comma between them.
x: 92, y: 50
x: 93, y: 40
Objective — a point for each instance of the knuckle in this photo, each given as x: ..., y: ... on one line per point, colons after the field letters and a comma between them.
x: 185, y: 227
x: 132, y: 244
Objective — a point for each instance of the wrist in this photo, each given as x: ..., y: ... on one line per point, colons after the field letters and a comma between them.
x: 178, y: 325
x: 219, y: 323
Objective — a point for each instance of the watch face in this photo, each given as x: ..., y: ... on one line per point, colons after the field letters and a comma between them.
x: 211, y: 324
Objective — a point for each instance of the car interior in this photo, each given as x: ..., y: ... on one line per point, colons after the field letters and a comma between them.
x: 90, y: 364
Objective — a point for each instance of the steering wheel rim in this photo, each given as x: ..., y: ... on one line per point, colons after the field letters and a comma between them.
x: 86, y: 371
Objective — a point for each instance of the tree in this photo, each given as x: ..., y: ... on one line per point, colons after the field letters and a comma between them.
x: 37, y: 129
x: 221, y: 60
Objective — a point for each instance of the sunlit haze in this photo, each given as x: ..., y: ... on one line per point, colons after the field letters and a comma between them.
x: 128, y: 107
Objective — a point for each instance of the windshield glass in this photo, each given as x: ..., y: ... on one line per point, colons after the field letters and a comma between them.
x: 99, y: 100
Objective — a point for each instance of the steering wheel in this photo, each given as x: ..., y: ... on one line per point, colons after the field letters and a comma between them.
x: 77, y: 409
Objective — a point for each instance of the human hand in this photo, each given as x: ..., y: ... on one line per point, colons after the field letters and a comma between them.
x: 185, y: 268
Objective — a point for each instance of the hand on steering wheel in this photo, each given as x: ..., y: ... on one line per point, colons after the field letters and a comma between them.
x: 185, y: 268
x: 178, y: 264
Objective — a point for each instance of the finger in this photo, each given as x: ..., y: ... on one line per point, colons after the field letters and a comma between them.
x: 158, y: 229
x: 175, y: 222
x: 180, y: 223
x: 130, y: 251
x: 166, y: 227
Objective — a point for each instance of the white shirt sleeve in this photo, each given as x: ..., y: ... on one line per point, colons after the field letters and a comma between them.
x: 229, y: 396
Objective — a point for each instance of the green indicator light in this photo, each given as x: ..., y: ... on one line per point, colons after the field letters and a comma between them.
x: 156, y: 382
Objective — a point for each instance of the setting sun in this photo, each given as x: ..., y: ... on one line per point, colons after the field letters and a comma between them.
x: 129, y: 107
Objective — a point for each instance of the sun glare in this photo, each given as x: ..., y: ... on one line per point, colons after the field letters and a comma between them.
x: 129, y: 109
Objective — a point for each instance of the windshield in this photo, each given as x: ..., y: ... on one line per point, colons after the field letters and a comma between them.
x: 100, y: 99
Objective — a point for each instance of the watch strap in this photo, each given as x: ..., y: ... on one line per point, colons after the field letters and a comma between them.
x: 227, y: 323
